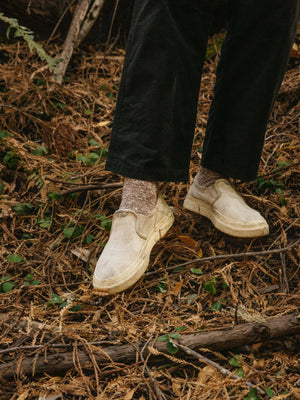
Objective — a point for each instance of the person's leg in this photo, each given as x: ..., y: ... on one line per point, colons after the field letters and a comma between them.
x: 252, y: 65
x: 153, y: 129
x: 253, y: 61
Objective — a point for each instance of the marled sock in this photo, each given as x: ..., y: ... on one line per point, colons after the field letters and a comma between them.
x: 206, y: 177
x: 138, y: 196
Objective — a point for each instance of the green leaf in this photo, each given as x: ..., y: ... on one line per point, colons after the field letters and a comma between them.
x: 181, y: 328
x: 45, y: 222
x: 1, y: 187
x: 210, y: 287
x: 84, y: 159
x: 76, y: 308
x: 94, y: 157
x: 171, y: 347
x: 35, y: 282
x: 26, y: 236
x: 235, y: 362
x: 105, y: 222
x: 174, y: 335
x: 54, y: 196
x: 162, y: 338
x: 40, y: 151
x: 240, y: 372
x: 252, y: 395
x: 28, y: 277
x: 217, y: 306
x: 5, y: 134
x: 196, y: 271
x: 269, y: 392
x: 6, y: 278
x: 23, y: 209
x: 283, y: 164
x: 93, y: 142
x: 191, y: 298
x: 88, y: 112
x: 162, y: 287
x: 10, y: 159
x: 63, y: 304
x: 7, y: 286
x: 70, y: 232
x: 89, y: 239
x: 15, y: 258
x: 56, y: 299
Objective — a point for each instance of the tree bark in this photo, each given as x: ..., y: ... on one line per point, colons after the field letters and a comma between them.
x: 273, y: 328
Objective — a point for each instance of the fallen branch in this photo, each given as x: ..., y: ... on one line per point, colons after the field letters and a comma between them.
x: 230, y: 256
x: 86, y: 188
x: 273, y: 328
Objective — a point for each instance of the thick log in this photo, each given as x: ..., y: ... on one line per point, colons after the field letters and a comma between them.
x: 273, y: 328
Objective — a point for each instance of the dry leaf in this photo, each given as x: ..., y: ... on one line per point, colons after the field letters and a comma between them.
x: 256, y: 346
x: 187, y: 240
x: 200, y: 253
x: 129, y: 395
x: 177, y: 289
x: 259, y: 364
x: 205, y: 374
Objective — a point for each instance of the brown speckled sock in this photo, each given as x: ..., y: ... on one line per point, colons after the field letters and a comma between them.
x: 138, y: 196
x: 206, y: 177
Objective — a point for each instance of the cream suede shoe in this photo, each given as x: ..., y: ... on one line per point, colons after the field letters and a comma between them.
x: 226, y: 209
x: 126, y: 255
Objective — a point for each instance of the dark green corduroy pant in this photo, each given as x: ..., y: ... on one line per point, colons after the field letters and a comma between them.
x: 157, y: 103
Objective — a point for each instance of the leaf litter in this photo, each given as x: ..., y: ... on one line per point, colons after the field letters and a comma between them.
x: 54, y: 138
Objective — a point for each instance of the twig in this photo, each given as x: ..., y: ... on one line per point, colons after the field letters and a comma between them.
x: 229, y: 256
x: 285, y: 284
x: 279, y: 170
x: 111, y: 25
x: 218, y: 367
x: 86, y: 188
x: 60, y: 19
x: 159, y: 393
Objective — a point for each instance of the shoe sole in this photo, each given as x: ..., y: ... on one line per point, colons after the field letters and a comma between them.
x: 135, y: 271
x: 202, y: 208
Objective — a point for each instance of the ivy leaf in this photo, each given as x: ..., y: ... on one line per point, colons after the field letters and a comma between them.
x: 40, y: 151
x: 15, y: 258
x: 217, y: 306
x: 174, y: 335
x: 162, y: 287
x: 56, y: 299
x: 252, y: 395
x: 196, y: 271
x: 78, y: 307
x: 269, y: 392
x: 171, y: 347
x: 240, y: 372
x: 210, y: 287
x: 162, y: 338
x: 45, y: 222
x: 23, y: 209
x: 235, y: 362
x: 7, y: 286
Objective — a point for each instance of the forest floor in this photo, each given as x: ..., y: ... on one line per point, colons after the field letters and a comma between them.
x: 55, y: 138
